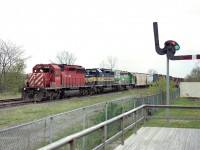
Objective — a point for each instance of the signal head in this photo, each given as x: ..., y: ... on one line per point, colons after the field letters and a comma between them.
x: 172, y: 46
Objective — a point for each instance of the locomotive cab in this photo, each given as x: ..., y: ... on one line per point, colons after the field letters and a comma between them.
x: 40, y: 76
x: 45, y: 75
x: 98, y: 76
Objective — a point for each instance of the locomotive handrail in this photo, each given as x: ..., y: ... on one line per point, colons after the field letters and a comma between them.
x: 72, y: 138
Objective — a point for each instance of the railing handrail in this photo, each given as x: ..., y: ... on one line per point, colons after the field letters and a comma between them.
x: 70, y: 139
x: 80, y: 134
x: 172, y: 106
x: 74, y: 110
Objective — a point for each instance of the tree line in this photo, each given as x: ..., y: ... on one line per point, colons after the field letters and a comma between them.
x: 13, y: 64
x: 194, y: 75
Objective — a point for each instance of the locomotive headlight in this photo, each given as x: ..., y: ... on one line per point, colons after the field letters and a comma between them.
x: 24, y: 89
x: 38, y: 89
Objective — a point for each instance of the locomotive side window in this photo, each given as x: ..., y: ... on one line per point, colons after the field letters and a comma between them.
x: 92, y: 72
x: 80, y: 71
x: 46, y: 70
x: 112, y: 73
x: 72, y: 69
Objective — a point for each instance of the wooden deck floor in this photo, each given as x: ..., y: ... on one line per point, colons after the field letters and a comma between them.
x: 155, y: 138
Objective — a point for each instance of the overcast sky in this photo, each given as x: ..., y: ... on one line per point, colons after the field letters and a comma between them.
x: 95, y: 29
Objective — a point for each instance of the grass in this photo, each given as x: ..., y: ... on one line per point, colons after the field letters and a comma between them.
x: 178, y: 113
x: 18, y: 115
x: 22, y: 114
x: 9, y: 95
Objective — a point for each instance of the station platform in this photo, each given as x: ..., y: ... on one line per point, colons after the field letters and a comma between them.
x: 157, y: 138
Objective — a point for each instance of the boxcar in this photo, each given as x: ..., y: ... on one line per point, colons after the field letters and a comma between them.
x: 141, y: 79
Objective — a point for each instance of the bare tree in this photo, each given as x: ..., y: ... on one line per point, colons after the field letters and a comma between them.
x: 109, y: 63
x: 194, y: 75
x: 65, y: 57
x: 11, y: 60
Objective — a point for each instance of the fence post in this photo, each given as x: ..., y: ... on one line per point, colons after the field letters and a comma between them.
x: 122, y: 129
x: 157, y: 100
x: 144, y: 115
x: 103, y: 139
x: 50, y: 130
x: 153, y: 102
x: 72, y: 145
x: 135, y: 119
x: 84, y: 120
x: 45, y: 130
x: 106, y: 118
x: 106, y: 112
x: 160, y: 97
x: 178, y: 92
x: 122, y: 105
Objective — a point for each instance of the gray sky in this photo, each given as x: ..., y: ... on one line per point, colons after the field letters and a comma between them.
x: 95, y: 29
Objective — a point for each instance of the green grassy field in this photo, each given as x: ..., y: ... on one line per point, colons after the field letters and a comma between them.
x: 22, y: 114
x: 178, y: 113
x: 18, y: 115
x: 9, y: 95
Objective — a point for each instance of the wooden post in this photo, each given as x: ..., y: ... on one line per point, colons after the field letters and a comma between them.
x: 145, y: 115
x: 122, y: 129
x: 135, y: 119
x: 72, y: 144
x: 103, y: 139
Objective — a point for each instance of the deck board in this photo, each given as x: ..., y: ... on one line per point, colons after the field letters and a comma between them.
x: 155, y: 138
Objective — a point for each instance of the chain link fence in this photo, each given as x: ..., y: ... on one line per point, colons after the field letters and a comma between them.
x: 39, y: 133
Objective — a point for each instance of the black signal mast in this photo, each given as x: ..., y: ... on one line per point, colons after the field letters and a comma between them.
x: 170, y: 48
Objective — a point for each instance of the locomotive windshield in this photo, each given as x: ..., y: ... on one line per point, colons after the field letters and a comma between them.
x: 93, y: 72
x: 40, y: 69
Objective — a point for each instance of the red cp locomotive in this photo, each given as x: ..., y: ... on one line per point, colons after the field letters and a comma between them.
x: 49, y: 81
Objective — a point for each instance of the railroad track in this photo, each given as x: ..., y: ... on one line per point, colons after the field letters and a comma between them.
x: 4, y: 103
x: 10, y: 100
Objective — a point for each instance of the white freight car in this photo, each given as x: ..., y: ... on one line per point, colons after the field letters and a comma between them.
x: 190, y: 89
x: 141, y: 79
x: 149, y: 79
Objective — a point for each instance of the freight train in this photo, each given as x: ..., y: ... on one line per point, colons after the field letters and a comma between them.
x: 51, y: 81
